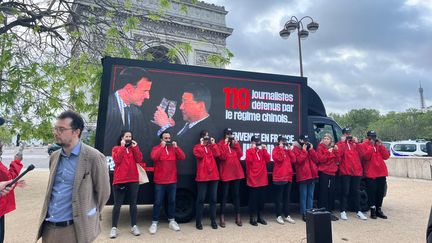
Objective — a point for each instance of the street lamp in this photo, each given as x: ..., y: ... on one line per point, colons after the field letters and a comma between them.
x: 295, y: 24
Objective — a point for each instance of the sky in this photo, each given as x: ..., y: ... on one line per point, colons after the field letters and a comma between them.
x: 365, y: 54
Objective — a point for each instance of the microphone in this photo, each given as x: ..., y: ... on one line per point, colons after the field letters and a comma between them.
x: 29, y: 168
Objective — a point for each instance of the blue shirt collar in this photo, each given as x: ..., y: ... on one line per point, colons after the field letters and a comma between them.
x: 75, y: 151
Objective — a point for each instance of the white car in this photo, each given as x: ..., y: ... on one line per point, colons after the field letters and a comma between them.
x: 406, y: 148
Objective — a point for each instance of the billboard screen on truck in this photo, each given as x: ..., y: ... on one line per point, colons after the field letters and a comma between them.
x: 147, y: 98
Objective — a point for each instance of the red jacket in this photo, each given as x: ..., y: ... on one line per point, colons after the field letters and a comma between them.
x: 326, y: 160
x: 283, y: 160
x: 230, y: 167
x: 126, y: 160
x: 305, y: 164
x: 349, y: 158
x: 165, y: 163
x: 256, y: 168
x: 7, y: 202
x: 206, y: 164
x: 373, y: 160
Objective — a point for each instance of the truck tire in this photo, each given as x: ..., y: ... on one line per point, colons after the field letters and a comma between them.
x: 185, y: 206
x: 364, y: 202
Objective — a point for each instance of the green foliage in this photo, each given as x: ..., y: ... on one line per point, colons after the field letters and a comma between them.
x: 220, y: 60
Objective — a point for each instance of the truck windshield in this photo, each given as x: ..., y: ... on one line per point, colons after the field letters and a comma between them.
x: 321, y: 129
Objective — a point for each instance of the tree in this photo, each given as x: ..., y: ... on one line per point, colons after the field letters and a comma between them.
x: 358, y: 120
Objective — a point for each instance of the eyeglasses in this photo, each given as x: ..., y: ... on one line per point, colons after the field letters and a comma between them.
x: 61, y: 129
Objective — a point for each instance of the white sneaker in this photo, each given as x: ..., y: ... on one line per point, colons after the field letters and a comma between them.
x: 280, y: 220
x: 361, y: 216
x: 113, y: 233
x: 290, y: 220
x: 174, y: 226
x: 343, y: 215
x: 153, y: 228
x: 135, y: 231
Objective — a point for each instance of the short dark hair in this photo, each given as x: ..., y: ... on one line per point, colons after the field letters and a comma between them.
x: 200, y: 93
x: 130, y: 75
x: 77, y: 120
x: 164, y: 132
x: 122, y: 133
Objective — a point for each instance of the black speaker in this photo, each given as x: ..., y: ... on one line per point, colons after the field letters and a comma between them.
x: 318, y: 226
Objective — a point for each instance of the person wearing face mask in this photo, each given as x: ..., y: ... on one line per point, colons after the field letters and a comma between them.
x: 231, y: 173
x: 351, y: 171
x: 283, y: 157
x: 207, y: 176
x: 257, y: 158
x: 126, y: 156
x: 327, y: 169
x: 165, y: 157
x: 306, y: 172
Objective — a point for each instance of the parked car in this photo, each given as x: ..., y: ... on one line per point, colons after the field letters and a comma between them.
x: 406, y: 148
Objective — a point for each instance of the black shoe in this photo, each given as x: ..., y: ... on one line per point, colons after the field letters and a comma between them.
x: 333, y: 217
x: 262, y: 221
x: 304, y: 217
x: 380, y: 214
x: 214, y: 225
x: 373, y: 213
x: 253, y: 221
x: 199, y: 226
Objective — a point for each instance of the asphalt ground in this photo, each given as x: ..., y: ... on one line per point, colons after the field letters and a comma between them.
x: 407, y: 204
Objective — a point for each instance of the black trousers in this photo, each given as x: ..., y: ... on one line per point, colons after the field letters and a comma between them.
x: 350, y: 186
x: 256, y: 201
x: 375, y: 191
x: 326, y: 193
x: 2, y: 229
x: 203, y: 187
x: 282, y: 199
x: 120, y: 191
x: 234, y: 185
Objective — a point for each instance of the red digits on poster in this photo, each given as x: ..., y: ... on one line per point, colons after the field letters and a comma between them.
x: 240, y: 98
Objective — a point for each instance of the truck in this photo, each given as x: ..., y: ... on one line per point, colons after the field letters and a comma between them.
x: 250, y: 103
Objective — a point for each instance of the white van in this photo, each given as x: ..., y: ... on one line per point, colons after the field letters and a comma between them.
x: 406, y: 148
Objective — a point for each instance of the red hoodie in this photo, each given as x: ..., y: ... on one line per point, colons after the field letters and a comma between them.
x: 125, y: 160
x: 7, y: 202
x: 305, y: 164
x: 256, y: 168
x: 165, y: 163
x: 373, y: 160
x: 230, y: 167
x: 283, y: 160
x: 206, y: 164
x: 326, y: 160
x: 349, y: 157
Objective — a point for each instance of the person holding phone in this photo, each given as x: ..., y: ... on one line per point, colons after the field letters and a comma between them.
x: 257, y: 158
x: 207, y: 176
x: 126, y: 155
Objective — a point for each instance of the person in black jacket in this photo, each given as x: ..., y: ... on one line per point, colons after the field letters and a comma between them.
x: 429, y: 229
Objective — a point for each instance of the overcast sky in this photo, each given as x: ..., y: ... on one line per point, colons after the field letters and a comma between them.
x: 365, y: 54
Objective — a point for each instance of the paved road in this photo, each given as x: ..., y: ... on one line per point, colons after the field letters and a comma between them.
x: 37, y: 156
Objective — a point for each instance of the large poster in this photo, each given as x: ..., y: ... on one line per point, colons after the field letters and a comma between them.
x: 148, y: 99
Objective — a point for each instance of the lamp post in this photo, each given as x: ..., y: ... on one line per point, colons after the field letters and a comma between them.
x: 295, y: 24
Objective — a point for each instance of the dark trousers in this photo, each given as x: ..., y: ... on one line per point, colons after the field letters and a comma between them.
x: 327, y: 188
x: 2, y: 229
x: 256, y: 201
x: 350, y: 186
x: 282, y: 199
x: 375, y: 191
x: 203, y: 187
x: 160, y: 190
x: 120, y: 191
x: 234, y: 185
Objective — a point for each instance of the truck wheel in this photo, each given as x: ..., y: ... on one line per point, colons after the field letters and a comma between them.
x: 185, y: 206
x: 364, y: 202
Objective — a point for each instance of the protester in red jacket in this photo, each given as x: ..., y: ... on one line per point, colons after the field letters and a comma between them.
x: 350, y: 170
x: 375, y: 170
x: 207, y: 176
x: 7, y: 202
x: 231, y: 173
x: 283, y: 157
x: 165, y: 157
x: 127, y: 156
x: 327, y: 168
x: 306, y: 172
x: 257, y: 158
